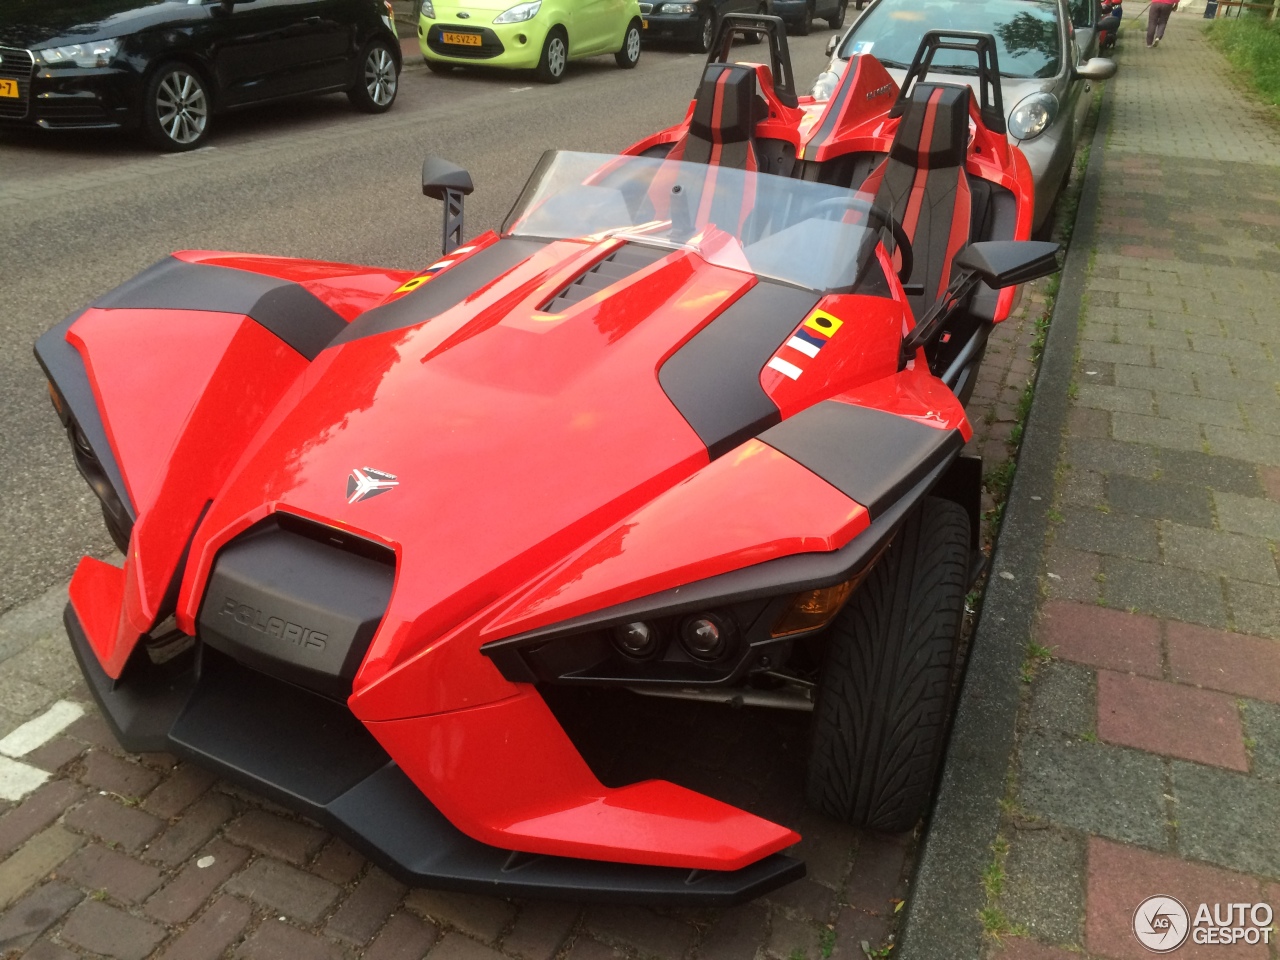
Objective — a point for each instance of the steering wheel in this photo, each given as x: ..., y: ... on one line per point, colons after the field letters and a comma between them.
x: 840, y: 205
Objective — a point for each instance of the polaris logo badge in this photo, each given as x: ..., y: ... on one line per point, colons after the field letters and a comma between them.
x: 880, y: 91
x: 275, y: 627
x: 365, y: 482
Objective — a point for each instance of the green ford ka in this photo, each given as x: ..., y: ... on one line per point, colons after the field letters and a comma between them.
x: 539, y: 35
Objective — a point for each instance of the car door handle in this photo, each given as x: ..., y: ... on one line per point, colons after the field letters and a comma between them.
x: 311, y: 20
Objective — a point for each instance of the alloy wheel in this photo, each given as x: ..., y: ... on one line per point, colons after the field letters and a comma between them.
x: 380, y: 76
x: 556, y: 55
x: 182, y: 107
x: 633, y: 44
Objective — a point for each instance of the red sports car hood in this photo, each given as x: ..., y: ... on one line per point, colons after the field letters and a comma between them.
x: 512, y: 434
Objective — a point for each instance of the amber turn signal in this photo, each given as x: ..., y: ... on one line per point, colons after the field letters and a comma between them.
x: 813, y: 609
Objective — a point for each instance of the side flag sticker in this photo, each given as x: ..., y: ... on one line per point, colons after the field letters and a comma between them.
x: 811, y: 336
x: 413, y: 283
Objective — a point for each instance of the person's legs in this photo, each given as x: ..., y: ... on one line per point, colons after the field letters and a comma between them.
x: 1157, y: 18
x: 1162, y: 20
x: 1151, y: 22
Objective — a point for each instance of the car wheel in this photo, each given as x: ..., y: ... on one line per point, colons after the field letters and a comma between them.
x: 555, y: 55
x: 629, y: 55
x: 805, y: 24
x: 706, y: 32
x: 758, y: 35
x: 176, y: 108
x: 884, y: 693
x: 439, y: 67
x: 836, y: 20
x: 375, y: 89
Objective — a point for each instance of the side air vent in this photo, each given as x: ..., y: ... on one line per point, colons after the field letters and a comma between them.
x: 628, y: 259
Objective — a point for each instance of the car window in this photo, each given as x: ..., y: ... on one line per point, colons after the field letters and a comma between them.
x: 1026, y: 33
x: 1082, y: 12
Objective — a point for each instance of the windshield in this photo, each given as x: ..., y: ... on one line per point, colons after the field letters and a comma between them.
x: 1026, y: 33
x: 808, y: 234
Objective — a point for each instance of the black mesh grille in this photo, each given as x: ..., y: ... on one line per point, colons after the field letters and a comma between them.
x: 617, y: 266
x: 16, y: 64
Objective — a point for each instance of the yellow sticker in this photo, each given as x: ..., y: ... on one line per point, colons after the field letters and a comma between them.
x: 824, y: 323
x: 413, y: 283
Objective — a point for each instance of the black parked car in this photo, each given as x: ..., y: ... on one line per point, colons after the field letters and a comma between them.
x: 693, y: 21
x: 167, y: 66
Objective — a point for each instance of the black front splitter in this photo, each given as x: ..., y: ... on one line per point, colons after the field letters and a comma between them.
x: 311, y: 754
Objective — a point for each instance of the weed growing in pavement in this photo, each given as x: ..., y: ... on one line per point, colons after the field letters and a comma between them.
x: 1089, y: 737
x: 827, y: 942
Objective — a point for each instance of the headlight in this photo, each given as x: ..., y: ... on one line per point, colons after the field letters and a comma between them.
x: 678, y: 8
x: 519, y: 13
x: 1032, y: 116
x: 96, y: 54
x: 428, y: 10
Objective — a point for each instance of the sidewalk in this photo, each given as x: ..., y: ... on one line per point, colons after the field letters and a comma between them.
x: 1147, y: 752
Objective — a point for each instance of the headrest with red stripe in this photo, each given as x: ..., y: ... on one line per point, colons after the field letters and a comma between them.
x: 726, y: 109
x: 934, y: 129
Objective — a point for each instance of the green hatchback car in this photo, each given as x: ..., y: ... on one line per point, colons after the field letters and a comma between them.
x: 539, y: 35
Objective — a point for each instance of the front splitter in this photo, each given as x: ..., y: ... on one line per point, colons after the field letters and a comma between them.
x: 311, y: 754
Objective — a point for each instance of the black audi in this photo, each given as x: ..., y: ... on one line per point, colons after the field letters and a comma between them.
x: 167, y: 67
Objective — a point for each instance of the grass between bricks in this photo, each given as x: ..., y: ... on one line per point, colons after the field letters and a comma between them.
x: 1251, y: 44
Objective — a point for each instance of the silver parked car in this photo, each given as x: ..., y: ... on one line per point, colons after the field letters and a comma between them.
x: 1043, y: 81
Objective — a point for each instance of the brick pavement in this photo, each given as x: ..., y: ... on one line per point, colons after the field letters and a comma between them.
x: 1148, y: 758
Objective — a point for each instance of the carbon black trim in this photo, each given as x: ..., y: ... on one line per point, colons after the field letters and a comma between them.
x: 871, y: 456
x: 714, y: 379
x: 314, y: 756
x: 65, y: 368
x: 287, y: 309
x: 447, y: 290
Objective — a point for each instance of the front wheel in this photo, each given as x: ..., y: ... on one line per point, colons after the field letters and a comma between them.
x: 629, y: 55
x: 555, y: 54
x: 706, y: 32
x: 884, y: 693
x: 836, y: 20
x: 757, y: 36
x: 375, y: 87
x: 176, y: 109
x: 804, y: 25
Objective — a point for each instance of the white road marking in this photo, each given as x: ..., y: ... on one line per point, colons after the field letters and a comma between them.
x: 38, y: 732
x: 519, y: 89
x: 18, y: 779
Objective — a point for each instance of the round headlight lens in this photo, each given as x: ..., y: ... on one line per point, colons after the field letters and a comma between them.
x: 1032, y: 116
x: 704, y: 637
x: 637, y: 640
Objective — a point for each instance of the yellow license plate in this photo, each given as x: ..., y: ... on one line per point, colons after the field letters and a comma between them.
x: 463, y: 39
x: 8, y: 88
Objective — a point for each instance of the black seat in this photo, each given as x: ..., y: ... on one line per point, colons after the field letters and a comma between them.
x: 725, y: 113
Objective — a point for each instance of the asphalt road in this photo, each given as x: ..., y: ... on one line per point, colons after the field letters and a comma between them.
x: 80, y: 213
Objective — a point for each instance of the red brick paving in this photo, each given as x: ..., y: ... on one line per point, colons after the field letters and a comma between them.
x: 1170, y: 719
x: 1270, y: 477
x: 1232, y: 662
x: 1121, y: 877
x: 1112, y: 639
x: 1020, y: 948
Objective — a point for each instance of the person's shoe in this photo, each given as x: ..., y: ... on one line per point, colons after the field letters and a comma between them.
x: 1156, y: 43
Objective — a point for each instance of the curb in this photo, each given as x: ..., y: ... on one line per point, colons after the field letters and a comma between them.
x: 942, y: 913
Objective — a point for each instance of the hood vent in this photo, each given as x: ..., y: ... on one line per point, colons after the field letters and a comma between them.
x: 619, y: 265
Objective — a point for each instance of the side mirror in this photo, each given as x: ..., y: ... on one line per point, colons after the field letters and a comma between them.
x: 1003, y: 263
x: 442, y: 180
x: 1096, y: 68
x: 832, y: 43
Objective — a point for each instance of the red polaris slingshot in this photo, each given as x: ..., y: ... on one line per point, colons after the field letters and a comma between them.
x: 688, y: 424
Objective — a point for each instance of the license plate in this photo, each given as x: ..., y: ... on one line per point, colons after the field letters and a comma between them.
x: 8, y: 88
x: 463, y: 39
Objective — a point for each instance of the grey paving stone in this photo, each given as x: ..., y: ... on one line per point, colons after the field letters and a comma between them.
x: 1263, y: 369
x: 1200, y: 409
x: 1262, y: 727
x: 1160, y: 499
x: 1072, y: 574
x: 1263, y: 417
x: 1229, y: 388
x: 1113, y: 533
x: 1202, y: 364
x: 1064, y: 700
x: 1114, y: 457
x: 1158, y: 431
x: 1044, y: 886
x: 1245, y: 444
x: 1125, y: 399
x: 1233, y: 346
x: 1098, y: 372
x: 1255, y: 607
x: 1213, y: 551
x: 1084, y: 488
x: 1163, y: 591
x: 1203, y: 469
x: 1240, y: 834
x: 1129, y: 353
x: 1250, y: 515
x: 1095, y: 787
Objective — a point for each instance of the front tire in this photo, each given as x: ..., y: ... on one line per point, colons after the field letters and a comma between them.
x: 706, y: 33
x: 804, y: 25
x: 629, y: 55
x: 379, y: 79
x: 884, y: 694
x: 836, y: 20
x: 555, y: 55
x: 176, y: 109
x: 758, y: 35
